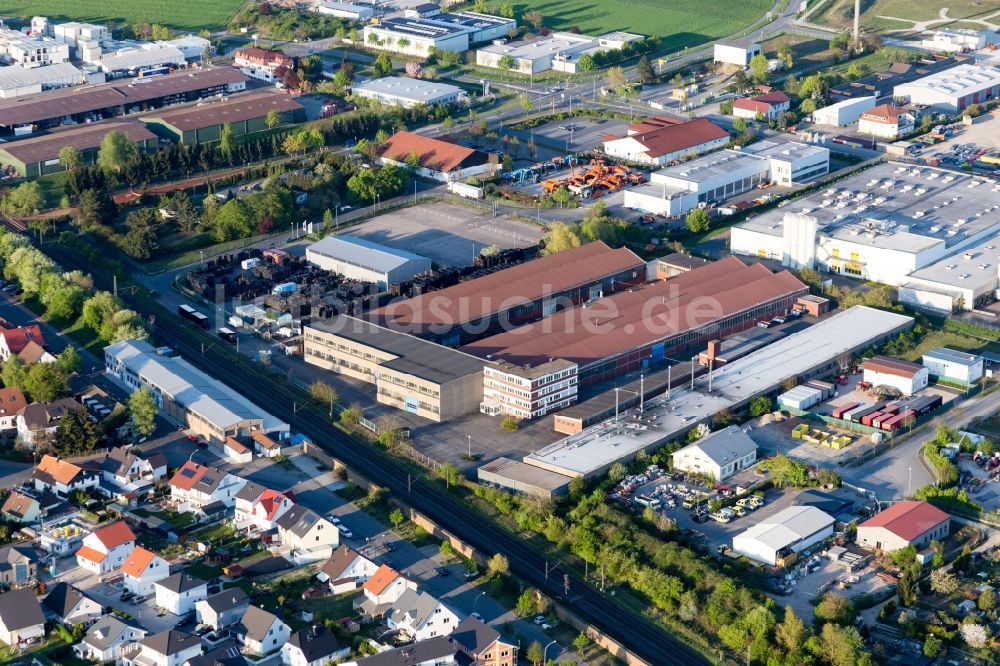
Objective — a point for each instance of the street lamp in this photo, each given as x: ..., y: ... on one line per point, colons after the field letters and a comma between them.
x: 545, y: 652
x: 470, y: 446
x: 476, y: 601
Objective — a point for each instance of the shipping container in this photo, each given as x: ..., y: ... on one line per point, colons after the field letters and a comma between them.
x: 839, y: 412
x: 826, y: 387
x: 235, y: 321
x: 800, y: 397
x: 898, y: 421
x: 867, y: 419
x: 849, y: 414
x: 882, y: 418
x: 857, y: 415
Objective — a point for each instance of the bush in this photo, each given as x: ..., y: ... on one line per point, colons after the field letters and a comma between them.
x: 509, y: 424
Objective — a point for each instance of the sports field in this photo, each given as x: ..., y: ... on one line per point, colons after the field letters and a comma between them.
x: 679, y: 22
x: 874, y: 13
x: 193, y: 15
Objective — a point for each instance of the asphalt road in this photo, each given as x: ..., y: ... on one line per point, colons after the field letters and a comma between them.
x: 624, y: 624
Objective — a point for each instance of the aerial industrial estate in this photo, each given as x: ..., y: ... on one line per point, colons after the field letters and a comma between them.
x: 403, y: 334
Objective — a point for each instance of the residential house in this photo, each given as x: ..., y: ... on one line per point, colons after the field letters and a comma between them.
x: 129, y: 471
x: 235, y: 451
x: 886, y: 121
x: 420, y: 616
x: 265, y: 446
x: 21, y: 619
x: 768, y: 106
x: 167, y: 648
x: 226, y: 653
x: 222, y: 609
x: 14, y: 340
x: 483, y: 645
x: 308, y: 535
x: 68, y: 605
x: 194, y: 486
x: 109, y: 639
x: 381, y: 590
x: 268, y: 508
x: 142, y: 570
x: 437, y: 651
x: 261, y: 632
x: 346, y: 569
x: 18, y: 566
x: 42, y: 417
x: 20, y: 508
x: 35, y: 353
x: 11, y: 402
x: 263, y: 64
x: 243, y: 502
x: 313, y: 646
x: 62, y: 477
x: 179, y: 593
x: 107, y: 548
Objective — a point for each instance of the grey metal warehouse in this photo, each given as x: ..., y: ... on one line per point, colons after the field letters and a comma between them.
x: 523, y: 478
x: 360, y: 259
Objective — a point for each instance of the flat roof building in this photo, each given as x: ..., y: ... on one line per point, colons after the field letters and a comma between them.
x: 811, y: 352
x: 846, y: 112
x: 20, y: 82
x: 133, y: 59
x: 246, y: 114
x: 515, y: 295
x: 347, y: 10
x: 789, y: 531
x: 528, y: 391
x: 188, y: 395
x: 450, y: 31
x: 735, y: 53
x: 951, y: 365
x: 421, y: 377
x: 408, y: 92
x: 718, y: 455
x: 952, y: 90
x: 906, y: 377
x: 359, y: 259
x: 521, y: 478
x: 632, y: 329
x: 39, y: 155
x: 532, y: 57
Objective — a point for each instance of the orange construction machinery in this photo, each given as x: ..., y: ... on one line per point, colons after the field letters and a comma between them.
x: 597, y: 180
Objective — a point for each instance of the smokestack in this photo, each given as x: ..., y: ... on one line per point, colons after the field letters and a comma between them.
x: 857, y: 21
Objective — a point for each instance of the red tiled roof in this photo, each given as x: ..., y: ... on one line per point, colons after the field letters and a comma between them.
x: 188, y: 475
x: 434, y: 154
x: 271, y: 501
x: 264, y: 441
x: 236, y: 445
x: 382, y: 579
x: 17, y: 338
x: 263, y: 56
x: 88, y: 553
x: 883, y: 113
x: 137, y: 562
x: 773, y: 97
x: 908, y: 520
x: 61, y: 471
x: 674, y: 138
x: 641, y: 316
x: 11, y: 401
x: 656, y: 122
x: 891, y: 366
x: 762, y: 103
x: 114, y: 534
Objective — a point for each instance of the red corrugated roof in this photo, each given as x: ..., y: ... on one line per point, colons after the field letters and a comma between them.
x: 641, y: 316
x: 674, y: 138
x: 434, y: 154
x: 908, y: 520
x: 263, y: 56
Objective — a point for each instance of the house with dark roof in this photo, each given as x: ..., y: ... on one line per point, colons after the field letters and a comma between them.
x: 68, y: 605
x: 167, y: 648
x: 11, y: 402
x: 130, y: 471
x: 18, y: 565
x: 440, y: 159
x: 437, y: 651
x: 420, y: 616
x: 20, y: 508
x: 313, y: 646
x: 346, y: 569
x: 195, y: 486
x: 309, y: 536
x: 107, y: 548
x: 719, y: 455
x: 39, y: 417
x: 483, y: 645
x: 21, y: 618
x: 222, y: 609
x: 903, y: 524
x: 261, y: 632
x: 667, y: 143
x: 109, y: 639
x: 226, y: 653
x: 180, y: 592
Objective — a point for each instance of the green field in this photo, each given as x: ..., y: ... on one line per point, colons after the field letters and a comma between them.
x: 194, y: 15
x: 679, y: 22
x: 839, y: 13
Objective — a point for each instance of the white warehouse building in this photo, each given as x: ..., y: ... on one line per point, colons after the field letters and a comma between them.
x: 719, y: 455
x: 360, y: 259
x: 952, y: 90
x: 954, y: 366
x: 843, y: 113
x: 406, y: 92
x: 734, y: 53
x: 552, y: 52
x: 347, y: 10
x: 454, y: 31
x: 791, y: 530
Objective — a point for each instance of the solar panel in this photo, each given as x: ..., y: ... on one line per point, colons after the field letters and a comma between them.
x: 187, y: 473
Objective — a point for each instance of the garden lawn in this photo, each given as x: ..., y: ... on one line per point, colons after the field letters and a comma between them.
x: 839, y: 13
x: 680, y: 23
x: 193, y: 15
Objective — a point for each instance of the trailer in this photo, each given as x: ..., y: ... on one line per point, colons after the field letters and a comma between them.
x: 193, y: 316
x: 465, y: 190
x: 839, y: 412
x: 250, y: 264
x: 227, y: 334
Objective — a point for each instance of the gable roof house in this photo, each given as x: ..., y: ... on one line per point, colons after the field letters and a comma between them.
x: 346, y: 569
x: 440, y: 160
x: 179, y: 593
x: 35, y: 353
x: 19, y: 508
x: 142, y: 570
x: 222, y: 609
x: 308, y: 536
x: 226, y: 653
x: 41, y: 417
x: 68, y: 605
x: 904, y: 524
x: 719, y: 455
x: 107, y: 548
x: 770, y: 105
x: 261, y: 632
x: 11, y: 402
x: 437, y: 651
x: 420, y: 616
x: 381, y: 590
x: 666, y: 142
x: 265, y: 446
x: 18, y: 565
x: 194, y: 486
x: 62, y: 477
x: 243, y: 502
x: 130, y: 472
x: 21, y: 617
x: 14, y: 340
x: 313, y: 646
x: 109, y: 639
x: 235, y: 451
x: 483, y: 645
x: 167, y: 648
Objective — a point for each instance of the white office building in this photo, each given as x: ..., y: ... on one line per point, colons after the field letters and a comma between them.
x: 719, y: 455
x: 843, y: 113
x: 559, y: 51
x: 951, y: 41
x: 359, y: 259
x: 31, y: 51
x: 454, y: 31
x: 954, y: 366
x: 407, y: 92
x: 791, y: 530
x: 952, y: 90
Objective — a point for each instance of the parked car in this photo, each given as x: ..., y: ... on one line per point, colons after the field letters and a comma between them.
x: 442, y: 571
x: 477, y: 616
x: 540, y: 619
x: 346, y: 533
